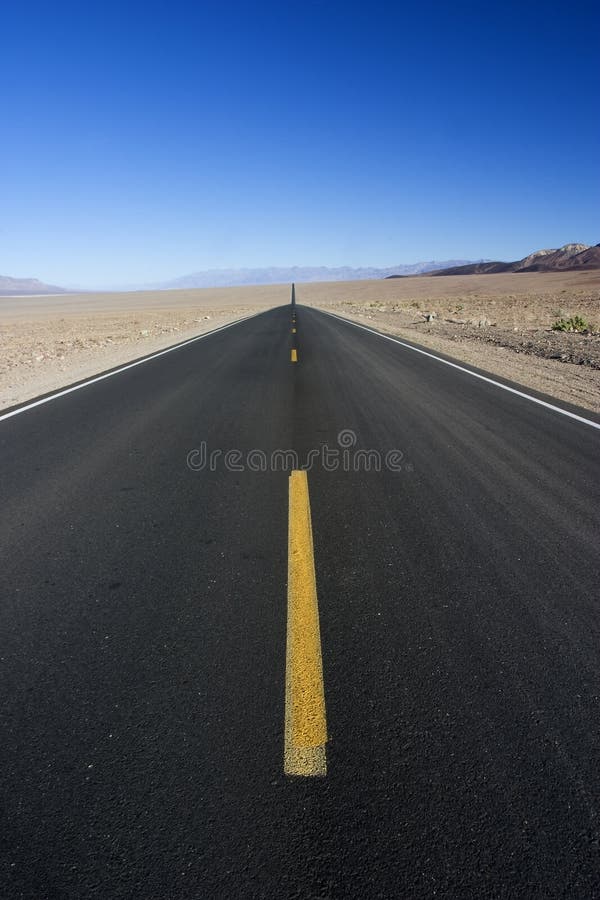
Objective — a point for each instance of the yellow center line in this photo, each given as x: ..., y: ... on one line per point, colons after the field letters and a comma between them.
x: 294, y: 355
x: 293, y: 331
x: 305, y: 719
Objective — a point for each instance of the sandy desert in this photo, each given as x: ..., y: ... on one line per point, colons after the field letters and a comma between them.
x: 499, y: 323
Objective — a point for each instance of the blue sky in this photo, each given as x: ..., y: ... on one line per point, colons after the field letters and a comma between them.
x: 143, y: 141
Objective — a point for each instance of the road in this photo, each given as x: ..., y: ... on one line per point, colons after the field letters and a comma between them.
x: 143, y: 629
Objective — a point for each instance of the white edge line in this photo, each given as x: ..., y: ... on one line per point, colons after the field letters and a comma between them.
x: 447, y: 362
x: 132, y: 365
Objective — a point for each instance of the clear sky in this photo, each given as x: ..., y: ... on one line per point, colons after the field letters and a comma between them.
x: 143, y: 141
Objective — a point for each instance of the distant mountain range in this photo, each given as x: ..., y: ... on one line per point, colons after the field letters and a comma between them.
x: 14, y: 287
x: 274, y: 275
x: 571, y: 257
x: 577, y: 257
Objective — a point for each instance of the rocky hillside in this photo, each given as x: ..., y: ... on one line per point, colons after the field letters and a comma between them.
x: 14, y: 287
x: 570, y: 257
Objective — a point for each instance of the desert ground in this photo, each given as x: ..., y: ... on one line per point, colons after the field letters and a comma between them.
x: 499, y: 323
x: 48, y: 342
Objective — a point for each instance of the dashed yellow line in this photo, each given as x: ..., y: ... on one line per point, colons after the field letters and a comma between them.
x: 293, y: 331
x: 305, y: 719
x: 294, y: 355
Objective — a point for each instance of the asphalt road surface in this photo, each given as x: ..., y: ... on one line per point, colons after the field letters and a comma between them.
x: 143, y: 629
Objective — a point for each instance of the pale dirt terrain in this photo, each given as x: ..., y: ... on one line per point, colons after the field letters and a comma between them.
x: 50, y: 342
x: 499, y: 323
